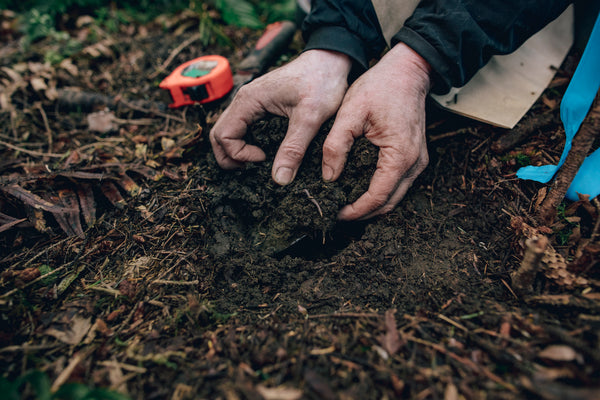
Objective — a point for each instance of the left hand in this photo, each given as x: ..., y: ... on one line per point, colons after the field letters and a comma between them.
x: 387, y: 105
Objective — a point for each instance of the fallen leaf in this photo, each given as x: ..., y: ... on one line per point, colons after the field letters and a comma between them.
x: 72, y: 334
x: 67, y: 65
x: 279, y: 392
x: 102, y: 122
x: 558, y: 352
x: 38, y: 84
x: 112, y: 194
x: 319, y: 385
x: 87, y: 203
x: 451, y: 392
x: 391, y: 341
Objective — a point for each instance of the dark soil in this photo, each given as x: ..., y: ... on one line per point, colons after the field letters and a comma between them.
x: 181, y: 280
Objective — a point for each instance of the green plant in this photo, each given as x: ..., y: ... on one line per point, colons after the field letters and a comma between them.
x: 39, y: 383
x: 255, y: 13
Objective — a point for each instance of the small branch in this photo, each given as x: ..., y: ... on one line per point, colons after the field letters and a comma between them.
x: 447, y: 135
x: 173, y: 54
x: 47, y: 125
x: 522, y: 131
x: 31, y: 152
x: 179, y: 283
x: 345, y: 315
x: 596, y: 231
x: 36, y: 280
x: 582, y: 143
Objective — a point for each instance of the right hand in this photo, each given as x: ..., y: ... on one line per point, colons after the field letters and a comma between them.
x: 307, y: 91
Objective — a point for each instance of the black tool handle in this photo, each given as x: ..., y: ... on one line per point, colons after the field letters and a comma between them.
x: 269, y: 47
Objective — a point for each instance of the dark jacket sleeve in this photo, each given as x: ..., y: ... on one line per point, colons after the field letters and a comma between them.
x: 347, y: 26
x: 458, y: 37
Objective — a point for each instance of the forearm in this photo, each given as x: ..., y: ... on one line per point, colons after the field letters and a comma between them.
x: 458, y: 37
x: 345, y: 26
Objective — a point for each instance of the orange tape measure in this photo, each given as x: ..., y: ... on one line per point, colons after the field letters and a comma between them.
x: 201, y: 80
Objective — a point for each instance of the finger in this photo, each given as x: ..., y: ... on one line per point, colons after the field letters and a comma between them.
x: 302, y: 129
x: 230, y: 150
x: 387, y: 181
x: 405, y: 183
x: 346, y: 128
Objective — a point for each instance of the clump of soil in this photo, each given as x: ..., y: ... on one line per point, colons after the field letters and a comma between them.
x: 273, y: 218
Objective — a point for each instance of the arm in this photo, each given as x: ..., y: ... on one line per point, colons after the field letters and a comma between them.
x: 458, y: 37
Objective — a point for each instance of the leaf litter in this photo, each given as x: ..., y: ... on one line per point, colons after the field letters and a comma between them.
x: 131, y: 261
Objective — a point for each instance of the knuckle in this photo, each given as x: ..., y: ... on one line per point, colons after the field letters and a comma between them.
x: 378, y: 200
x: 329, y: 150
x: 293, y: 151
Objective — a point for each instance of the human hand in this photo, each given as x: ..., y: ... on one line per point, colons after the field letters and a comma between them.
x: 387, y: 105
x: 307, y: 91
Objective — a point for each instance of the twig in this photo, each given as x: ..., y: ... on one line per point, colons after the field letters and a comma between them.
x: 26, y: 347
x: 271, y: 313
x: 466, y: 362
x: 47, y: 125
x: 450, y: 134
x: 345, y: 315
x: 32, y: 152
x: 509, y: 289
x: 596, y: 231
x: 312, y: 199
x: 110, y: 291
x: 452, y: 322
x: 66, y: 373
x: 582, y: 143
x: 126, y: 367
x: 39, y: 278
x: 178, y: 283
x: 522, y: 131
x: 174, y: 53
x: 150, y: 111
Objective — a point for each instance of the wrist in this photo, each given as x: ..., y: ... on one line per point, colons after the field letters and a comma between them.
x: 411, y: 64
x: 338, y: 64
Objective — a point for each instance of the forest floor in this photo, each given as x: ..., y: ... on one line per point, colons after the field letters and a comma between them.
x: 129, y: 261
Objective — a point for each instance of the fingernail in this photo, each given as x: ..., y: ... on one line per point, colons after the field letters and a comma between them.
x: 284, y: 175
x: 327, y: 173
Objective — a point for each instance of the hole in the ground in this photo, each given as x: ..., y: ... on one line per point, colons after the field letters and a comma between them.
x: 317, y: 245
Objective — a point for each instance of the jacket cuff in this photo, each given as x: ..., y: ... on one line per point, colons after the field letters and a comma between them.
x: 440, y: 70
x: 340, y: 39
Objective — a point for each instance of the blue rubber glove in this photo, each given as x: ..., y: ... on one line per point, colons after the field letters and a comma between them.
x: 573, y: 108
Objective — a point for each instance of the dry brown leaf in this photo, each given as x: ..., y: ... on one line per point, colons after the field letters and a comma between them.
x: 69, y: 200
x: 87, y: 203
x: 391, y: 341
x: 102, y: 122
x: 550, y: 103
x: 112, y: 194
x: 559, y: 352
x: 67, y: 65
x: 451, y: 392
x: 129, y: 185
x: 31, y: 199
x: 72, y: 334
x: 279, y: 392
x: 100, y: 49
x: 38, y: 84
x: 551, y: 374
